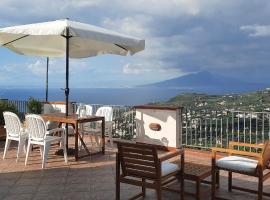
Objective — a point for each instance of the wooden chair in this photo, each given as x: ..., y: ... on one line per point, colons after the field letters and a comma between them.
x: 142, y: 167
x: 253, y: 167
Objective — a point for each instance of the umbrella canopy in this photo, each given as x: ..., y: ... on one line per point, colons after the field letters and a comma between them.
x: 49, y: 39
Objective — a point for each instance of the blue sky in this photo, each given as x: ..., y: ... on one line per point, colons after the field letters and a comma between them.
x: 182, y: 36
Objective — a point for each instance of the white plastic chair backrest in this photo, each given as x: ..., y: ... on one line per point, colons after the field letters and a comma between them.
x: 79, y: 108
x: 84, y: 110
x: 12, y: 123
x: 106, y: 112
x: 36, y: 127
x: 88, y: 110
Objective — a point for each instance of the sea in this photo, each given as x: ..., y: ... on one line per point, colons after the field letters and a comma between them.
x: 107, y: 96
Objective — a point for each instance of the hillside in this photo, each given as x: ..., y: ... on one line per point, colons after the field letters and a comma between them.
x: 206, y: 82
x: 255, y: 101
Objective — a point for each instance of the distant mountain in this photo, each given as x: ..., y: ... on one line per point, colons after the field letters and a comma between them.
x: 208, y: 83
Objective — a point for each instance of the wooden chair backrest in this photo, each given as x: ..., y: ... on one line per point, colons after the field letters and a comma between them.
x: 266, y: 154
x: 139, y: 160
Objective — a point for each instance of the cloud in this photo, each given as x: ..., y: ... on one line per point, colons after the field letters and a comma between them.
x: 37, y: 68
x: 135, y: 25
x: 135, y: 69
x: 182, y: 36
x: 56, y: 66
x: 162, y: 7
x: 151, y: 68
x: 83, y: 3
x: 256, y: 30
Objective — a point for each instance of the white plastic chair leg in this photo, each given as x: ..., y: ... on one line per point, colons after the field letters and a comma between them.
x: 41, y: 151
x: 65, y: 149
x: 45, y: 154
x: 20, y: 148
x: 25, y: 145
x: 111, y: 139
x: 98, y: 140
x: 91, y: 140
x: 27, y: 152
x: 6, y: 147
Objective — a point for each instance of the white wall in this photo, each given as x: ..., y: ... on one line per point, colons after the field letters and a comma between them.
x: 169, y: 120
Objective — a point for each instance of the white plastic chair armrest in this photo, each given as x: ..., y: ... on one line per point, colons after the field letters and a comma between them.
x: 55, y: 131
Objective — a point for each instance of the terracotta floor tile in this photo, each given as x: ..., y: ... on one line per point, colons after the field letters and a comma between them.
x: 78, y: 195
x: 51, y: 189
x: 77, y: 188
x: 23, y: 190
x: 53, y: 180
x: 48, y: 196
x: 19, y: 197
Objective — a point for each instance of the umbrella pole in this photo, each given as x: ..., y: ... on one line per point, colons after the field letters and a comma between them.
x: 47, y: 77
x: 67, y: 82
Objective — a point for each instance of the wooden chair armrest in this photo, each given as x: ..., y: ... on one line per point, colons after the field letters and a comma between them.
x: 232, y: 144
x: 171, y: 154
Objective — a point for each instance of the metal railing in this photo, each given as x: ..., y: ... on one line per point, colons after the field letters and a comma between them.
x: 203, y: 129
x: 216, y: 128
x: 123, y: 117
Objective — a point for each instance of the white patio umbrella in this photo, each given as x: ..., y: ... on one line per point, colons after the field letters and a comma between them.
x: 70, y: 38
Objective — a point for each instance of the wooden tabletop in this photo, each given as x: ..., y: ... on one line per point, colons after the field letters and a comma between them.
x: 74, y: 118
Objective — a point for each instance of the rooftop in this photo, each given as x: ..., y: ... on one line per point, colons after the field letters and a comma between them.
x: 91, y: 178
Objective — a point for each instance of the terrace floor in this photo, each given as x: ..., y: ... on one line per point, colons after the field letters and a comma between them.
x: 90, y: 178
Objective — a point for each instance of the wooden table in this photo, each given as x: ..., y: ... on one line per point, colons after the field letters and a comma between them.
x: 198, y: 173
x: 74, y: 120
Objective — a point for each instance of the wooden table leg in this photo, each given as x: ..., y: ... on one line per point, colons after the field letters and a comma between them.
x: 198, y: 185
x: 103, y: 136
x: 182, y: 175
x: 76, y: 142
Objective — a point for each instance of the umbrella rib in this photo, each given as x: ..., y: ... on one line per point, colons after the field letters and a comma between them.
x: 121, y: 47
x: 15, y: 40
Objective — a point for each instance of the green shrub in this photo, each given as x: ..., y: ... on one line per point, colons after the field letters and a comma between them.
x: 34, y: 106
x: 5, y: 106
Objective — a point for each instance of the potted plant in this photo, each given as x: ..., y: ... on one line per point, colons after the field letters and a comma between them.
x: 34, y: 106
x: 5, y: 106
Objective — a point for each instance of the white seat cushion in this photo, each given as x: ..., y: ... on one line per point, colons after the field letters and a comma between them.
x: 238, y: 163
x: 167, y: 168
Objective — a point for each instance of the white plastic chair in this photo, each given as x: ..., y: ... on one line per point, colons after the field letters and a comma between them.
x: 83, y: 111
x: 15, y: 131
x: 107, y: 113
x: 140, y: 132
x: 39, y: 135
